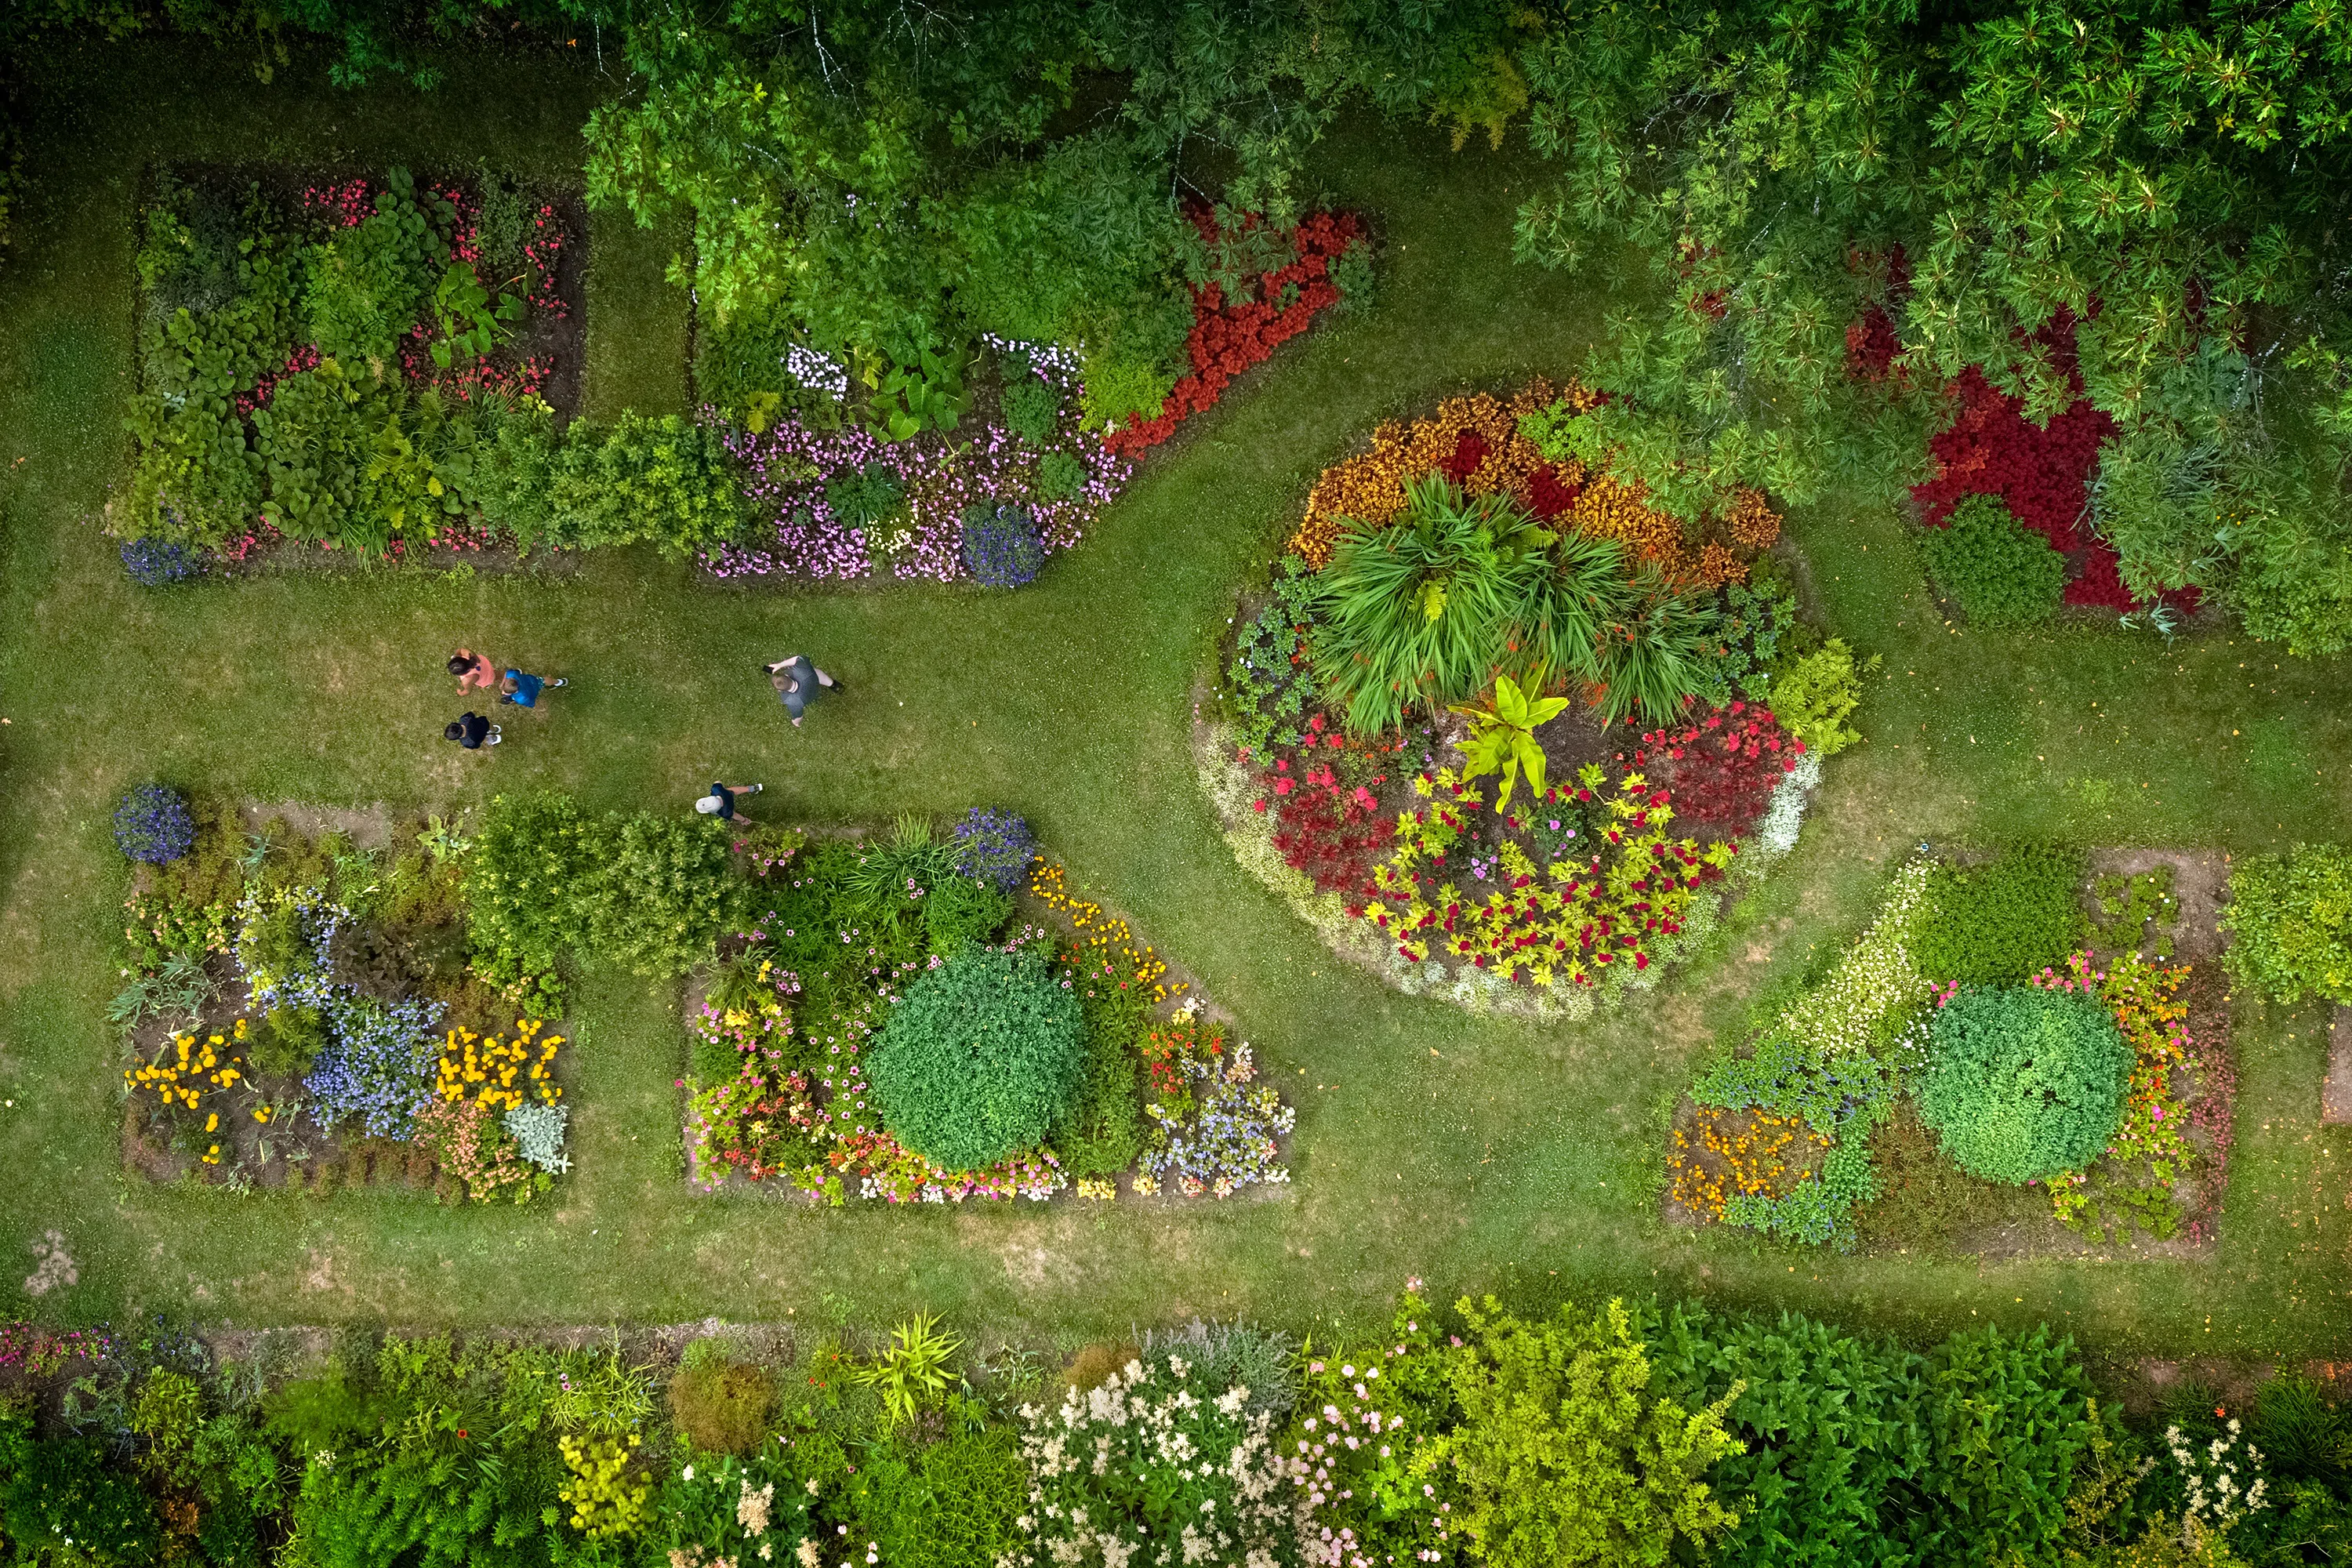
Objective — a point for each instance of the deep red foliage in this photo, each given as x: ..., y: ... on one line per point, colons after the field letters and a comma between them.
x: 1334, y: 834
x: 1229, y: 338
x: 1722, y: 769
x: 1468, y: 453
x: 1548, y: 497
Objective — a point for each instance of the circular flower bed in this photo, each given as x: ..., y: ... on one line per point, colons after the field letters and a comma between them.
x: 1529, y: 859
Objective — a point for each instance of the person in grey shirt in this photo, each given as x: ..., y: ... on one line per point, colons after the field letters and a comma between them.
x: 797, y: 682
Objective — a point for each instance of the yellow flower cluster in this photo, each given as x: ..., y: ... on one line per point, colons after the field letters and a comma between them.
x: 1369, y: 488
x: 1105, y: 943
x: 1756, y: 1154
x: 484, y: 1070
x: 181, y: 1074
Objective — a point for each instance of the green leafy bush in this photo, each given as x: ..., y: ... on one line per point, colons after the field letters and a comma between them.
x: 522, y: 884
x: 664, y: 482
x: 2290, y: 923
x: 363, y: 287
x: 1563, y: 1454
x: 1031, y: 407
x: 663, y: 891
x: 1814, y: 695
x: 2024, y: 1083
x: 959, y: 909
x: 2000, y: 572
x: 943, y: 1505
x: 1462, y: 588
x: 2003, y: 921
x: 62, y: 1501
x: 981, y: 1058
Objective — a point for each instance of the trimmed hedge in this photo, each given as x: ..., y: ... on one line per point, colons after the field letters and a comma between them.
x: 2025, y: 1083
x: 984, y: 1055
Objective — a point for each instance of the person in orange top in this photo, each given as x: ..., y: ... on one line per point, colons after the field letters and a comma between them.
x: 473, y: 669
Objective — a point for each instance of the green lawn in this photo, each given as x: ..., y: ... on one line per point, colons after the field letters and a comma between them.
x: 1477, y: 1155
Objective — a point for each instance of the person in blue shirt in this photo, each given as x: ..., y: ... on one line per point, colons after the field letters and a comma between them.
x: 524, y: 690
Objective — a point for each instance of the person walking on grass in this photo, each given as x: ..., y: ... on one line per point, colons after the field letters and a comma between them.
x: 720, y: 802
x: 472, y: 731
x: 523, y: 690
x: 472, y: 669
x: 797, y: 682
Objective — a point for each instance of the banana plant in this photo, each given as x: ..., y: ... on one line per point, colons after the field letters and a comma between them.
x: 1503, y: 736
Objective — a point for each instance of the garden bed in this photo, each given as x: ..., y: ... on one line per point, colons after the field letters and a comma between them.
x: 808, y: 1040
x: 1868, y: 1109
x: 303, y: 1009
x: 1366, y: 806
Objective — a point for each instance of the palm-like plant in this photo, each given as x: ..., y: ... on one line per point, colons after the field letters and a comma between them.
x: 1503, y: 737
x: 1460, y: 589
x: 1653, y: 654
x: 912, y: 1368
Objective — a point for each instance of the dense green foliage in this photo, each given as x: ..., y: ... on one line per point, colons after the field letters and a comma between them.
x: 982, y: 1056
x: 1563, y: 1453
x: 649, y: 891
x: 1999, y: 572
x: 1463, y: 590
x: 2290, y: 919
x: 1855, y: 1450
x: 2158, y: 180
x: 2003, y: 919
x: 2024, y: 1083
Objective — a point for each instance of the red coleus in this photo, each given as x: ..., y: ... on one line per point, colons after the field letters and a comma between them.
x: 1333, y: 834
x: 1228, y: 339
x: 2041, y: 473
x: 1722, y: 769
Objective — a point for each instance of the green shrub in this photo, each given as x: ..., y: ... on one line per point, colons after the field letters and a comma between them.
x: 2000, y: 572
x: 663, y: 891
x: 664, y: 482
x: 959, y: 909
x: 522, y: 882
x: 2024, y: 1083
x: 1031, y: 407
x: 1060, y: 475
x: 64, y: 1499
x: 864, y: 498
x: 2290, y: 923
x: 366, y: 285
x: 1812, y: 696
x: 1103, y: 1131
x: 2007, y: 1419
x: 2003, y: 921
x: 948, y: 1505
x: 721, y: 1405
x: 1563, y: 1454
x: 981, y: 1058
x: 288, y: 1041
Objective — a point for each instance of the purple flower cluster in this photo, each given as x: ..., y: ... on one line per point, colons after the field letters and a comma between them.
x: 788, y: 466
x: 160, y: 562
x: 994, y: 846
x: 379, y: 1065
x: 1228, y: 1143
x: 153, y: 825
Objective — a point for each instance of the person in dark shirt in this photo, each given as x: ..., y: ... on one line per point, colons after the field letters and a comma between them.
x: 720, y: 802
x: 472, y: 731
x: 797, y: 682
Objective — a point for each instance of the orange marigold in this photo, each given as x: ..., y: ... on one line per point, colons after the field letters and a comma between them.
x: 1751, y: 523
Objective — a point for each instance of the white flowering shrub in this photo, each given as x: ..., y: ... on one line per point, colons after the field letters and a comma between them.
x: 1873, y: 983
x: 1157, y: 1467
x: 2222, y: 1481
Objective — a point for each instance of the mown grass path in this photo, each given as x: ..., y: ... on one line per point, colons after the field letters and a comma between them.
x: 1477, y: 1155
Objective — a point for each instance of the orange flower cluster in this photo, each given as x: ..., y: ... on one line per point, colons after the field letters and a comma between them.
x: 1369, y: 488
x: 1750, y: 521
x: 1755, y: 1153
